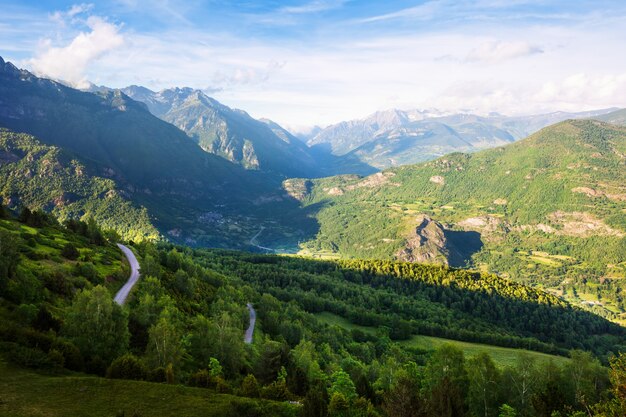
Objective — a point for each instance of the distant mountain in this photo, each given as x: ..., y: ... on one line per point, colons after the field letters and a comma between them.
x: 235, y: 136
x: 396, y: 137
x: 538, y: 210
x: 617, y: 117
x: 190, y: 195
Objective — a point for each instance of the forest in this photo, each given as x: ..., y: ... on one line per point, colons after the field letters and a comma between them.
x: 185, y: 321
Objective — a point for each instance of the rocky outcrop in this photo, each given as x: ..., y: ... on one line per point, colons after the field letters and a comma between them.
x: 428, y: 243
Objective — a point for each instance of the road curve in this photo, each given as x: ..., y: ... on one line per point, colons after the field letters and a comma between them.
x: 254, y: 243
x: 250, y: 331
x: 122, y: 294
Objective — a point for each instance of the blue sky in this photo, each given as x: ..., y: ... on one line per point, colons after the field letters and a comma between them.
x: 320, y: 61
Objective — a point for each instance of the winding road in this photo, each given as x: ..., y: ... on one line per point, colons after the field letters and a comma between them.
x: 254, y: 243
x: 250, y: 331
x: 122, y: 294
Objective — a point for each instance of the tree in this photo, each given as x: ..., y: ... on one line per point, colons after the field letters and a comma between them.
x: 220, y: 339
x: 315, y: 403
x: 339, y: 405
x: 127, y: 366
x: 507, y: 411
x: 615, y: 407
x: 446, y: 382
x: 404, y: 399
x: 522, y: 379
x: 342, y: 384
x: 586, y: 376
x: 97, y: 325
x: 9, y: 258
x: 215, y: 369
x: 484, y: 384
x: 165, y: 343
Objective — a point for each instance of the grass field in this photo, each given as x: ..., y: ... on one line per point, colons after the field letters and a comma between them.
x: 26, y: 393
x: 501, y: 355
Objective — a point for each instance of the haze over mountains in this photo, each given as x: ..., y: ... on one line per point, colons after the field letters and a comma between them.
x: 397, y: 137
x: 384, y: 139
x: 189, y: 194
x: 239, y: 138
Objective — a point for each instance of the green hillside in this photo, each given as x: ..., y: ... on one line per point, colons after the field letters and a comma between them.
x: 38, y: 175
x: 190, y: 196
x: 183, y: 327
x: 546, y: 210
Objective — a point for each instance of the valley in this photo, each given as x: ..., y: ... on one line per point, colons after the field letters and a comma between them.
x: 312, y: 208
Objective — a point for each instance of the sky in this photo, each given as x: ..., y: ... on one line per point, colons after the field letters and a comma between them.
x: 316, y: 62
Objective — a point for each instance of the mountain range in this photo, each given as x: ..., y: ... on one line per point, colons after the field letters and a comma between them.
x: 397, y: 137
x: 234, y: 135
x: 188, y: 194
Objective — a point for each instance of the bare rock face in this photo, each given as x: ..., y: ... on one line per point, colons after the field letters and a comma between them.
x: 427, y: 244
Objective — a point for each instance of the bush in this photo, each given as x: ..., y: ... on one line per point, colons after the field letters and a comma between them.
x: 127, y: 367
x: 56, y: 358
x: 276, y: 391
x: 250, y: 387
x: 200, y: 379
x: 24, y: 356
x: 70, y: 252
x: 72, y: 357
x: 157, y: 375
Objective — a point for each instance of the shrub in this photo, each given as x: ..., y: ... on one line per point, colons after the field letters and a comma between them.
x: 157, y: 375
x: 250, y: 387
x: 127, y: 367
x: 56, y: 358
x: 25, y: 356
x: 72, y: 357
x: 70, y: 252
x: 200, y: 378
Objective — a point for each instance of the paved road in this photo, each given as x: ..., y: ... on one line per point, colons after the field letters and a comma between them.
x: 250, y: 332
x: 122, y: 294
x: 253, y: 241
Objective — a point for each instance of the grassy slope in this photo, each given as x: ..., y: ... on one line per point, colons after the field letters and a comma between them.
x: 501, y: 355
x: 27, y: 393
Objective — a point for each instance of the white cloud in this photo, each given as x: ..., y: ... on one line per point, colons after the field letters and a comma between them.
x: 77, y: 9
x: 69, y: 63
x: 498, y: 51
x: 584, y: 90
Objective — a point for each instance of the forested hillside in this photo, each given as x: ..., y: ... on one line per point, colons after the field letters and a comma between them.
x: 185, y: 322
x: 36, y: 175
x: 546, y: 210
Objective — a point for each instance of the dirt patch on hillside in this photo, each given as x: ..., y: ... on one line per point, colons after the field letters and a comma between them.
x: 592, y: 192
x: 580, y: 224
x: 438, y: 179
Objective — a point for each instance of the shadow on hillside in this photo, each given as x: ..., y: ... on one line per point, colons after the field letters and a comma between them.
x: 462, y: 245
